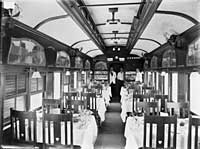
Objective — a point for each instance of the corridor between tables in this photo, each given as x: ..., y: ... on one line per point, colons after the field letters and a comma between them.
x: 111, y: 133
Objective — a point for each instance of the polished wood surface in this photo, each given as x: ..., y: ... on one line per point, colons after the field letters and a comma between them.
x: 181, y: 109
x: 160, y: 127
x: 56, y: 120
x: 193, y: 122
x: 23, y: 126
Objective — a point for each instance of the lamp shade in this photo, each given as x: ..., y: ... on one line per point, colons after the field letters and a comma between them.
x: 82, y: 72
x: 67, y: 73
x: 36, y: 74
x: 163, y: 73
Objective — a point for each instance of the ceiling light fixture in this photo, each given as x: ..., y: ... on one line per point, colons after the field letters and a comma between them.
x: 82, y: 72
x: 121, y: 59
x: 67, y: 73
x: 109, y: 59
x: 36, y: 74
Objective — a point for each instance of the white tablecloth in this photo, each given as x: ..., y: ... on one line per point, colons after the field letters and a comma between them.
x: 101, y: 108
x: 134, y: 133
x: 126, y: 106
x: 84, y: 132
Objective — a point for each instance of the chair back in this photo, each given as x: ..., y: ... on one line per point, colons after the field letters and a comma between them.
x: 98, y: 89
x: 74, y: 102
x: 160, y: 132
x: 181, y: 109
x: 162, y: 99
x: 193, y: 135
x: 149, y: 108
x: 92, y: 101
x: 58, y: 130
x: 136, y: 98
x: 23, y: 126
x: 49, y: 104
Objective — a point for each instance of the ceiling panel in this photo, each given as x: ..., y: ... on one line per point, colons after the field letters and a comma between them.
x: 95, y: 53
x: 64, y: 30
x: 189, y: 7
x: 111, y: 42
x: 137, y: 52
x: 32, y: 11
x: 101, y: 14
x: 162, y: 26
x: 146, y: 45
x: 86, y: 46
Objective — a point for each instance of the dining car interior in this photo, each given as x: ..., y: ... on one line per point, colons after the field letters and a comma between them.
x: 99, y: 74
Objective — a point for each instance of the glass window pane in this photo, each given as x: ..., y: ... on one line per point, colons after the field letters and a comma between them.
x: 166, y: 84
x: 21, y: 83
x: 35, y: 101
x: 194, y: 92
x: 57, y: 85
x: 20, y: 103
x: 33, y: 84
x: 26, y: 51
x: 8, y: 103
x: 174, y: 87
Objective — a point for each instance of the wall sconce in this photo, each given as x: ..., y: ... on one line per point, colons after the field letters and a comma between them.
x: 67, y: 73
x: 163, y: 73
x: 91, y: 72
x: 36, y: 74
x: 82, y: 72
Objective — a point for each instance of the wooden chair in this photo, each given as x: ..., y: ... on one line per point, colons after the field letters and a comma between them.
x: 136, y: 98
x: 162, y: 99
x: 91, y: 101
x: 193, y: 139
x: 74, y: 102
x: 181, y: 109
x: 149, y: 108
x: 23, y: 127
x: 58, y: 131
x: 49, y: 104
x: 160, y: 125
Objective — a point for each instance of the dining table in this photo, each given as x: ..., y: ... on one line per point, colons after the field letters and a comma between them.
x: 101, y: 107
x: 134, y: 133
x: 84, y: 129
x: 126, y: 105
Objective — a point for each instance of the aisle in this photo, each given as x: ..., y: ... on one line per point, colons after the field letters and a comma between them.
x: 111, y: 135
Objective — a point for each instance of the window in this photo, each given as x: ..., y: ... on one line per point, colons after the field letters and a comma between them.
x: 194, y: 92
x: 166, y: 83
x: 175, y: 87
x: 36, y: 101
x: 26, y: 51
x: 87, y: 64
x: 15, y: 94
x: 101, y: 66
x: 63, y: 59
x: 169, y: 58
x: 15, y: 84
x: 154, y: 62
x: 193, y: 55
x: 36, y: 84
x: 57, y: 86
x: 78, y: 62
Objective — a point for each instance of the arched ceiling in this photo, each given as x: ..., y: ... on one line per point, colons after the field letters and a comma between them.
x: 120, y: 29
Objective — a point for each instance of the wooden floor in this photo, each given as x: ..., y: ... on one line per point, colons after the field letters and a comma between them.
x: 111, y: 134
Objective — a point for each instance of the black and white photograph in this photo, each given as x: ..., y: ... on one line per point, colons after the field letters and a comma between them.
x: 100, y: 74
